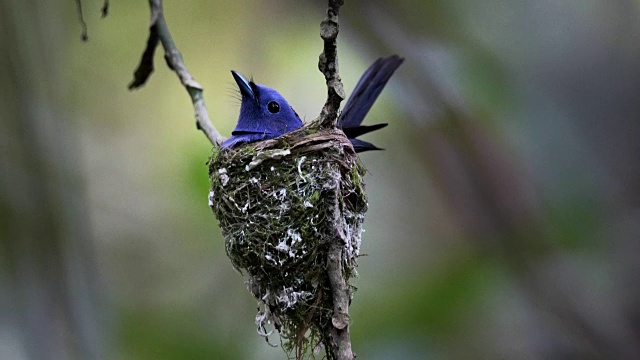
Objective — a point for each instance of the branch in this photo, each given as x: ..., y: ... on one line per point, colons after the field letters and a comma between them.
x: 328, y: 65
x: 105, y: 9
x: 159, y: 31
x: 84, y: 35
x: 336, y: 334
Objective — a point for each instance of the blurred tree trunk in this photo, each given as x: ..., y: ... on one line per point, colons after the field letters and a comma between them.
x: 50, y: 295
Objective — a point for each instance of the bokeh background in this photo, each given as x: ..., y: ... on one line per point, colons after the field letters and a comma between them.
x: 504, y: 215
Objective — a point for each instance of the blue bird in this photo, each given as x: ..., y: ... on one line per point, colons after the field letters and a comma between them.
x: 265, y: 114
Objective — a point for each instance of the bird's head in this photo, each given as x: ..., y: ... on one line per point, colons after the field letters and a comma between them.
x: 263, y: 110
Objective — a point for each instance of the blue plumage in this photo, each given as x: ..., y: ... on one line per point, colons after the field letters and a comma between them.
x: 265, y: 114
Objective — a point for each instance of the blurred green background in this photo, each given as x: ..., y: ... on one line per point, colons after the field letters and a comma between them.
x: 504, y: 215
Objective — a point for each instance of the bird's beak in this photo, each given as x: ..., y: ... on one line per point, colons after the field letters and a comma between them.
x: 243, y: 84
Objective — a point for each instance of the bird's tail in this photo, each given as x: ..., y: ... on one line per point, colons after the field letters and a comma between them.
x: 364, y: 95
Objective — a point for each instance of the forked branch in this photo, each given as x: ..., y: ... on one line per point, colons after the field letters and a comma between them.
x: 159, y: 32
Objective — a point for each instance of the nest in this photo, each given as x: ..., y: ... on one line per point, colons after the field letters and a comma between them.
x: 280, y: 204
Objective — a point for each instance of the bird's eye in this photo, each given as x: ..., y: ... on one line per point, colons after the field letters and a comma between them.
x: 273, y: 107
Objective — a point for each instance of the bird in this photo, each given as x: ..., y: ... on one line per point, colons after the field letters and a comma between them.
x: 265, y: 114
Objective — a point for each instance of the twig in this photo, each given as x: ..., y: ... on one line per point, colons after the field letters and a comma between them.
x: 336, y: 334
x: 159, y: 31
x: 84, y: 36
x: 105, y: 9
x: 328, y: 65
x: 145, y: 68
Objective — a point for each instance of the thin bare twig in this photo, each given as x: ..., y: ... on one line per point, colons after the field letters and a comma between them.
x: 145, y: 68
x: 159, y: 31
x: 328, y: 65
x: 105, y: 9
x: 84, y: 36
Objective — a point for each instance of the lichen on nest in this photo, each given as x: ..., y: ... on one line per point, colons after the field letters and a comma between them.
x: 280, y: 203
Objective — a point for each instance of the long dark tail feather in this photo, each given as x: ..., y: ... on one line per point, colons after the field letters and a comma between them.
x: 362, y: 146
x: 362, y: 129
x: 366, y: 92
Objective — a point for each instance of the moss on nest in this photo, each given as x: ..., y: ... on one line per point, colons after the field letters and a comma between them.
x: 280, y: 204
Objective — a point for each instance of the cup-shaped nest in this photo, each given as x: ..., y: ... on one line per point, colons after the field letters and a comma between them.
x: 280, y: 204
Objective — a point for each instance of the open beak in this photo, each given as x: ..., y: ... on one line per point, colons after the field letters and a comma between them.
x: 243, y: 84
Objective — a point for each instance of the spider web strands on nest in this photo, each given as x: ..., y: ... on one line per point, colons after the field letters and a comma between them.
x: 280, y: 203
